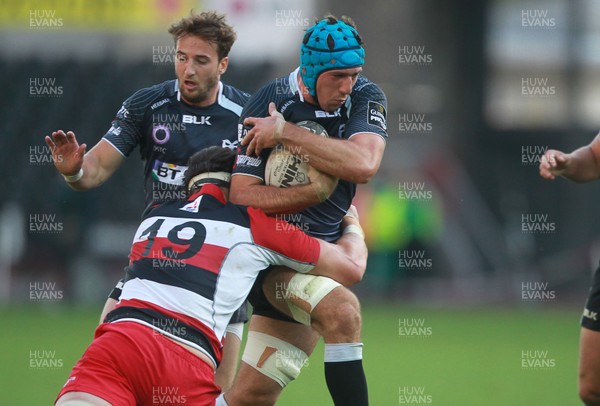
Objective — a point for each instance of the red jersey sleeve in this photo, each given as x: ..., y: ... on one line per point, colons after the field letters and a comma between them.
x: 285, y: 239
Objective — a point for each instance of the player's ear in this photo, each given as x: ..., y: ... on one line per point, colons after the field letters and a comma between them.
x: 223, y: 63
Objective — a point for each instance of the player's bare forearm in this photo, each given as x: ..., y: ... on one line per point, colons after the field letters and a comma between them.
x: 82, y: 170
x: 345, y: 261
x: 356, y: 160
x: 356, y: 251
x: 272, y: 200
x: 98, y: 165
x: 353, y: 243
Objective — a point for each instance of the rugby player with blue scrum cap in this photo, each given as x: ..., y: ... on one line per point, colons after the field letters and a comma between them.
x: 326, y: 91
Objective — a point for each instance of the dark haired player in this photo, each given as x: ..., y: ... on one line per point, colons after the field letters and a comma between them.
x: 192, y: 263
x: 326, y: 89
x: 169, y: 122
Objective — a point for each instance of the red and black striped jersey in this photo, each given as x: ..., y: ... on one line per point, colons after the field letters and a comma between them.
x: 195, y: 261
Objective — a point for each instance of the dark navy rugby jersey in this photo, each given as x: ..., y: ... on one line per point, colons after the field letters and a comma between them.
x: 168, y: 131
x: 363, y: 112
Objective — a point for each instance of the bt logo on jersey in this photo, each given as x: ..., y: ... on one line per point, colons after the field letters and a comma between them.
x: 204, y: 120
x: 168, y: 173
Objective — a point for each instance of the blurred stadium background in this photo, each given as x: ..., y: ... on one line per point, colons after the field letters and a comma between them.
x: 467, y: 243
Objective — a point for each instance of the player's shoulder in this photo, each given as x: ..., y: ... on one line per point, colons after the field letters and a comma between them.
x: 365, y: 85
x: 237, y: 95
x: 278, y: 90
x: 154, y: 96
x: 231, y: 98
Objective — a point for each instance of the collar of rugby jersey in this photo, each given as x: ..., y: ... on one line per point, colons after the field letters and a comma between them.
x: 209, y: 189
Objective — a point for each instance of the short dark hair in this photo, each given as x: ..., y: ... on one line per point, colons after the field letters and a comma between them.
x: 208, y: 25
x: 211, y: 159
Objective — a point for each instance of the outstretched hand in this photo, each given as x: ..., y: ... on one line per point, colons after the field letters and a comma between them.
x: 67, y: 154
x: 554, y: 163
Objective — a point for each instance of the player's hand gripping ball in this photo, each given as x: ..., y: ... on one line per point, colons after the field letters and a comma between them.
x: 284, y: 169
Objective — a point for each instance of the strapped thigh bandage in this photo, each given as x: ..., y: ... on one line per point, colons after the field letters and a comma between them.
x: 304, y: 292
x: 275, y: 358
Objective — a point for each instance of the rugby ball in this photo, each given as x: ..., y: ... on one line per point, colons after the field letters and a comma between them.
x: 283, y: 168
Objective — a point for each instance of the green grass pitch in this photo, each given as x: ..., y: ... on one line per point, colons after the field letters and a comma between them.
x: 504, y: 357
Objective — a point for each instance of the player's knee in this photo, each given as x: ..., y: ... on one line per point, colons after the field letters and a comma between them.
x: 254, y: 395
x: 339, y: 314
x: 589, y: 393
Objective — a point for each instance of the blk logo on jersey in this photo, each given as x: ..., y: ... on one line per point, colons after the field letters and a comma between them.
x: 377, y: 115
x: 203, y: 120
x: 168, y: 173
x: 326, y: 114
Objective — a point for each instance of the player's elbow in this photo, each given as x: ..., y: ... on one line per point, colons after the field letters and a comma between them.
x: 365, y: 171
x: 353, y: 274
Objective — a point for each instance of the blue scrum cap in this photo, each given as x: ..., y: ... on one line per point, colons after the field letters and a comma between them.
x: 329, y: 44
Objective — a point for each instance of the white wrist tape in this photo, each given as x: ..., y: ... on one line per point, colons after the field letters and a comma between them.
x: 74, y: 178
x: 353, y: 228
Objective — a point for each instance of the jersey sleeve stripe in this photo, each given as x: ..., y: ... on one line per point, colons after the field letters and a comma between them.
x: 248, y: 174
x: 369, y: 132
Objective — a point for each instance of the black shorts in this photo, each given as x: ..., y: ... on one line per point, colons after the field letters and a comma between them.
x: 591, y: 313
x: 260, y: 304
x: 241, y: 314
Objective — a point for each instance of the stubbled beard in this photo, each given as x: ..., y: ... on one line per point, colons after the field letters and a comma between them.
x: 201, y: 94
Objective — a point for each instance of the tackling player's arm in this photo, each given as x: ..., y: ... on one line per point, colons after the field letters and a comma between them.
x: 346, y: 260
x: 581, y: 165
x: 70, y: 158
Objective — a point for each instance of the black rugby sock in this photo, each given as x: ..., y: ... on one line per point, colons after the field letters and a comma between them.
x: 347, y: 383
